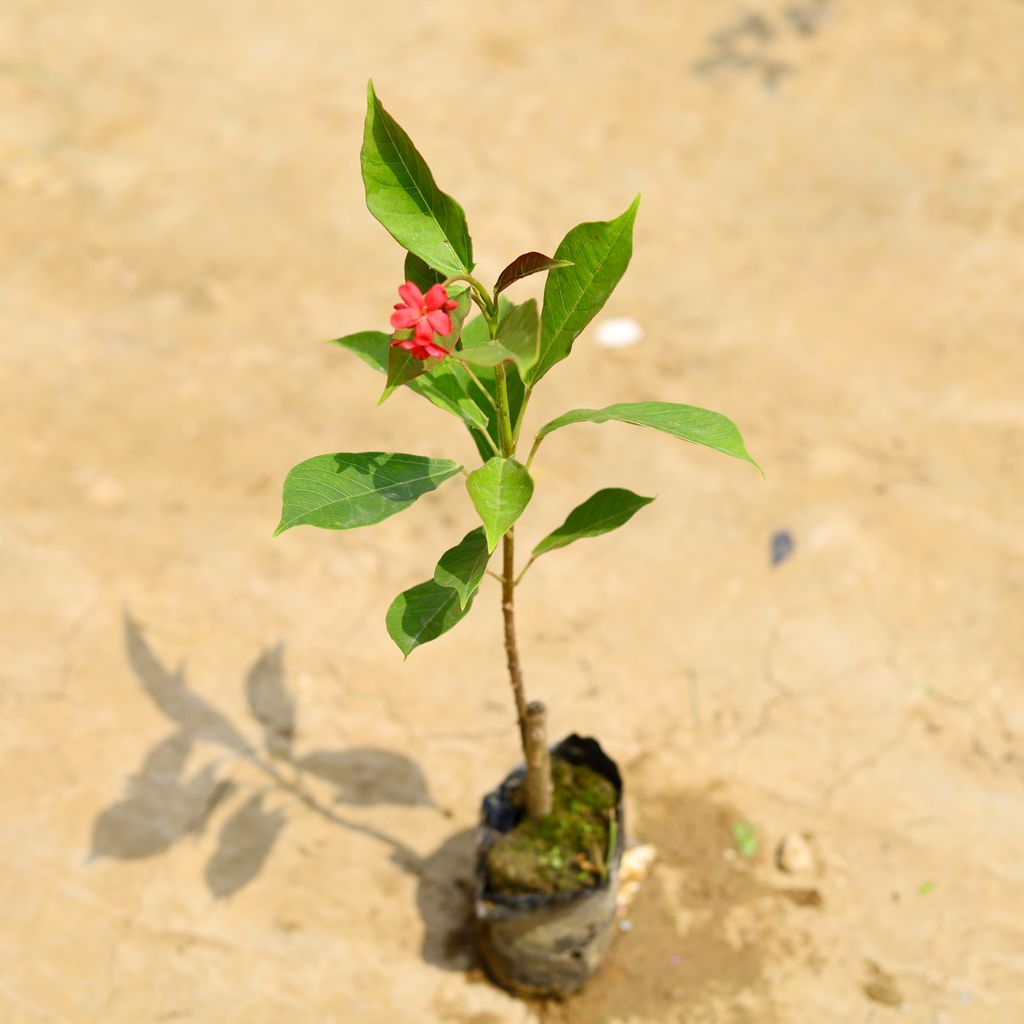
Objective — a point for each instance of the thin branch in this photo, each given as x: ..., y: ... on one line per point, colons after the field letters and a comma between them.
x: 533, y: 558
x: 476, y: 380
x: 490, y: 441
x: 522, y: 412
x: 533, y: 451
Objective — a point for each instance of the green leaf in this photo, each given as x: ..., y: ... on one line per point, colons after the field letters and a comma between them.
x: 346, y: 490
x: 602, y: 512
x: 403, y: 367
x: 445, y: 383
x: 402, y: 194
x: 429, y: 609
x: 525, y: 265
x: 475, y: 333
x: 486, y: 355
x: 421, y: 274
x: 519, y: 333
x: 423, y: 613
x: 516, y: 341
x: 448, y: 386
x: 500, y: 490
x: 462, y: 567
x: 573, y: 296
x: 701, y: 426
x: 371, y: 346
x: 463, y: 304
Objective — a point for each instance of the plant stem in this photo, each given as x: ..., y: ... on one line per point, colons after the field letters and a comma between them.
x: 490, y: 441
x: 476, y: 380
x: 522, y: 412
x: 508, y: 608
x: 508, y: 444
x: 480, y: 293
x: 533, y: 735
x: 533, y: 451
x: 538, y: 761
x: 533, y: 558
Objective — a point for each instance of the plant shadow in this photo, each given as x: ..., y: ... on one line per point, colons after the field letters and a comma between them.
x: 165, y: 800
x: 444, y: 899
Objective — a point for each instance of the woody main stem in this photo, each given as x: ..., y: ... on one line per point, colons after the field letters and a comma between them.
x: 515, y: 670
x: 508, y: 574
x: 532, y: 717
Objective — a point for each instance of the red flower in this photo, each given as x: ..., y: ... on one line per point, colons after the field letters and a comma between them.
x: 425, y: 314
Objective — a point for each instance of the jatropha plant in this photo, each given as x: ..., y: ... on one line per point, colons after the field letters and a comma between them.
x: 482, y: 371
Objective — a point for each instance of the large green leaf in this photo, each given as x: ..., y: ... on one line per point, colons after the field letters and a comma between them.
x: 346, y: 490
x: 701, y: 426
x: 500, y: 490
x: 462, y: 567
x: 600, y: 513
x: 422, y: 614
x: 421, y: 274
x: 371, y: 346
x: 402, y: 194
x: 599, y: 252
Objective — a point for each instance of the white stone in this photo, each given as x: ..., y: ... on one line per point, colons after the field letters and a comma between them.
x: 794, y: 855
x: 618, y: 332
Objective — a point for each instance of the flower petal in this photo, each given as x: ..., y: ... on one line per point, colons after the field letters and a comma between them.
x: 437, y: 351
x: 407, y: 343
x: 404, y: 318
x: 440, y: 321
x: 411, y: 295
x: 424, y: 332
x: 436, y: 297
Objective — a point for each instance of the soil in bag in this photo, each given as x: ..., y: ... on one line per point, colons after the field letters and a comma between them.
x: 546, y: 889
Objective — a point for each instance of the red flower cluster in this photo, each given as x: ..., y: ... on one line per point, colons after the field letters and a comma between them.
x: 425, y: 314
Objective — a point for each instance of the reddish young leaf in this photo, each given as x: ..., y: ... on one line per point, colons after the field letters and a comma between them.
x: 525, y: 265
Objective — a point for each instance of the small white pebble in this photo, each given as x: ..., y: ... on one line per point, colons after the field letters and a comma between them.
x: 618, y: 332
x: 794, y: 855
x: 625, y: 926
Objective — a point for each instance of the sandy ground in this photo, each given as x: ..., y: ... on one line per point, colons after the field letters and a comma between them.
x: 830, y: 250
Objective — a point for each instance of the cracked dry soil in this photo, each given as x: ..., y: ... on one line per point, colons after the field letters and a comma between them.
x: 223, y: 796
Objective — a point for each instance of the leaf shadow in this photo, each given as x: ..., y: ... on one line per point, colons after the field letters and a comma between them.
x: 181, y: 783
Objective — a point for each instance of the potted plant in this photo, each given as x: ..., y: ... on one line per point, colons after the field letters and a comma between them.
x: 551, y: 835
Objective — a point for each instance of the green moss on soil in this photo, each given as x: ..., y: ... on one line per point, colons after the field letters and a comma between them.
x: 568, y: 850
